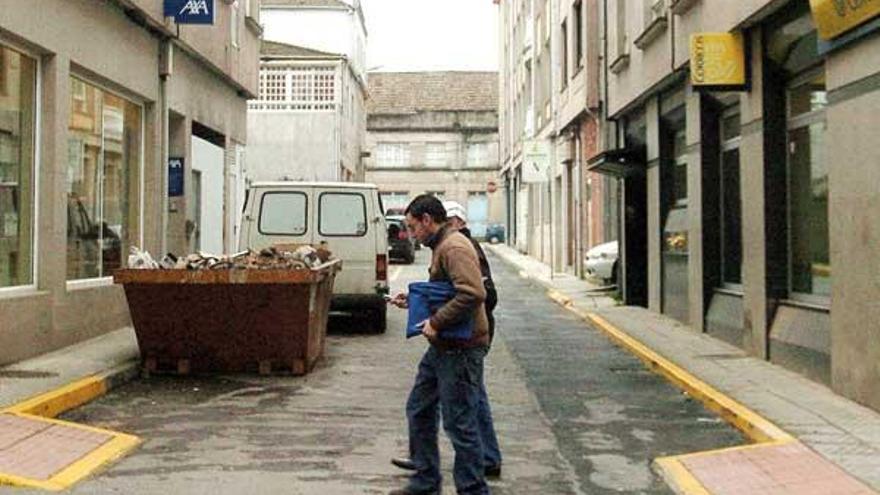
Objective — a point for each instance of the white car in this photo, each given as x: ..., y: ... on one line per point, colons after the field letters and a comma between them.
x: 601, y: 262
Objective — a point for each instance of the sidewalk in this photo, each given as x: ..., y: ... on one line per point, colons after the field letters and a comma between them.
x: 806, y: 413
x: 39, y: 451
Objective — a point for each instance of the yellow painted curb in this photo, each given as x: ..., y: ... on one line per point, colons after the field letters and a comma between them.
x: 51, y: 404
x: 678, y: 477
x: 45, y: 407
x: 757, y: 428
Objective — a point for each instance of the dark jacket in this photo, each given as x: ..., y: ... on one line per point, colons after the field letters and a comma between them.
x: 454, y: 259
x: 488, y: 283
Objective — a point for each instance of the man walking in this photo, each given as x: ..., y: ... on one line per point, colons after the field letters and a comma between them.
x: 457, y: 218
x: 451, y: 371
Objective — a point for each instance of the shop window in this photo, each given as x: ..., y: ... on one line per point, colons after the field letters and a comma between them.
x: 792, y: 50
x: 731, y: 205
x: 103, y: 182
x: 18, y: 75
x: 679, y: 163
x: 810, y: 267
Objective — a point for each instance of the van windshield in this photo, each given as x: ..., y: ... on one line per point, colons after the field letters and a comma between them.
x: 283, y: 213
x: 343, y: 214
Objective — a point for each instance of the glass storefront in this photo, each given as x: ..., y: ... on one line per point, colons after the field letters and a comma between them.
x: 792, y: 47
x: 18, y: 82
x: 103, y: 178
x: 731, y: 204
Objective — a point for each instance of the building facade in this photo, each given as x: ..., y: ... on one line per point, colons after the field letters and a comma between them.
x: 550, y: 97
x: 436, y: 132
x: 308, y: 121
x: 102, y: 104
x: 752, y: 202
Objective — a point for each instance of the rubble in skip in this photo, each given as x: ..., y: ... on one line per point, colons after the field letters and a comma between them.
x: 279, y: 257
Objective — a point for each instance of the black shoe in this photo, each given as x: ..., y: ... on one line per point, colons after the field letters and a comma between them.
x: 404, y: 463
x: 409, y: 491
x: 493, y: 471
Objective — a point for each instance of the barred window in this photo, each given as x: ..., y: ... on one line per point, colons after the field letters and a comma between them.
x: 293, y: 88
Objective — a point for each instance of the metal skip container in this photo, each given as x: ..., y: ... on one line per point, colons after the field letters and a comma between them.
x: 238, y: 320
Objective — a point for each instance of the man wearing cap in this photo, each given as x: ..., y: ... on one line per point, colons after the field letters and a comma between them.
x: 457, y: 219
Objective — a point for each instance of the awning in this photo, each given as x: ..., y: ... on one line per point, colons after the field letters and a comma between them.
x: 620, y: 163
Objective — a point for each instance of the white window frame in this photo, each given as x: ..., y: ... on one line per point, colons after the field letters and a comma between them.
x: 94, y: 282
x: 33, y: 287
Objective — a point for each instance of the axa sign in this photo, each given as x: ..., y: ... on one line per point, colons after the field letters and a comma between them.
x: 190, y: 11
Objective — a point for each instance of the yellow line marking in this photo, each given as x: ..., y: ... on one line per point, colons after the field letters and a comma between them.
x: 45, y: 407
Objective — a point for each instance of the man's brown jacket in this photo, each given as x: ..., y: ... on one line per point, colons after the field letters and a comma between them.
x: 455, y: 260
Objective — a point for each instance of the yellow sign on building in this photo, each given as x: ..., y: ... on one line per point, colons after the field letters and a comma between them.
x: 718, y: 59
x: 835, y: 17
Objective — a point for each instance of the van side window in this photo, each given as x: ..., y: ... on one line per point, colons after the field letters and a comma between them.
x: 283, y: 213
x: 342, y: 214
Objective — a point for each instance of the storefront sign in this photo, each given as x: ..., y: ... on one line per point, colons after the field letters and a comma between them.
x: 190, y: 11
x: 175, y: 176
x: 536, y: 160
x: 718, y: 60
x: 835, y: 17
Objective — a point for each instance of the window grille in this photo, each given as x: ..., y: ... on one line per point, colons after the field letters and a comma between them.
x: 296, y: 88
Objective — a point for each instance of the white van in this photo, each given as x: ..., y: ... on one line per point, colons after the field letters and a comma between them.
x: 347, y: 215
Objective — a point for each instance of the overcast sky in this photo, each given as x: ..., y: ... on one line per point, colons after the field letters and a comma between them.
x: 416, y: 35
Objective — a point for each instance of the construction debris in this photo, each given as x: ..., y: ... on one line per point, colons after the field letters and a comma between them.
x: 280, y: 257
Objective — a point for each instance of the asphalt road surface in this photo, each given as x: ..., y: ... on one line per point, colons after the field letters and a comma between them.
x: 574, y: 414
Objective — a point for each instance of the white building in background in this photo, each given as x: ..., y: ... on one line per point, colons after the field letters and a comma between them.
x: 332, y: 26
x: 308, y: 121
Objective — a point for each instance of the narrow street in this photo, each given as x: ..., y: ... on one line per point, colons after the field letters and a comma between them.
x: 574, y: 414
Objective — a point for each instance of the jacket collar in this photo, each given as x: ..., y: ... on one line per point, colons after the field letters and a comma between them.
x: 433, y: 241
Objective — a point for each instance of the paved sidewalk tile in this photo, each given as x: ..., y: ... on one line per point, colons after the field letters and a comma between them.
x: 773, y: 469
x: 36, y: 449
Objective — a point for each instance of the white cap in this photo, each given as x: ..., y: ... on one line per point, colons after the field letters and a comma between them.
x: 453, y: 209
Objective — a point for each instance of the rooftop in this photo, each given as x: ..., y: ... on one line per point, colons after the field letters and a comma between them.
x: 284, y: 50
x: 411, y: 92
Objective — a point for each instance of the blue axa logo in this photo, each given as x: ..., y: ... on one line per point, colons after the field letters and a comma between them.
x: 195, y: 7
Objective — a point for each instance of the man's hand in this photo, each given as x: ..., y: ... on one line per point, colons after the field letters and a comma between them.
x: 428, y: 331
x: 401, y: 300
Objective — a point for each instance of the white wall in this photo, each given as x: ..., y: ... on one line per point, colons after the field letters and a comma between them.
x: 208, y: 159
x: 328, y: 30
x: 295, y: 145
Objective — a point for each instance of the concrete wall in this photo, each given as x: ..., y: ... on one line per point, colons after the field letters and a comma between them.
x: 98, y: 42
x: 854, y: 180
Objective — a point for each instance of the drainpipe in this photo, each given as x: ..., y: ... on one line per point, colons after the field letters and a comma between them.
x: 166, y: 53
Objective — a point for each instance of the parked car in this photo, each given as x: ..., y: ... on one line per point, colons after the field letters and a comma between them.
x: 345, y: 215
x: 400, y: 242
x: 601, y: 262
x: 495, y: 233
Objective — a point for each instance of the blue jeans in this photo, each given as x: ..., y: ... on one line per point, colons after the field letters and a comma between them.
x: 451, y: 379
x: 491, y: 452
